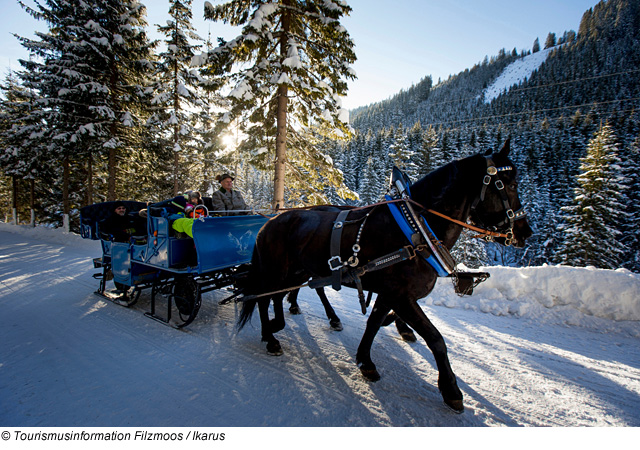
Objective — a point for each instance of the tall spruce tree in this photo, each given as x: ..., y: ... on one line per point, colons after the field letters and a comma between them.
x: 89, y: 71
x: 21, y: 149
x: 630, y: 237
x: 430, y: 146
x: 402, y: 155
x: 287, y: 70
x: 177, y: 95
x: 592, y: 222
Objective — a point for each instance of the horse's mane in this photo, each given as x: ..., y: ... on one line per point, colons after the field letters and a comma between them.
x: 438, y: 185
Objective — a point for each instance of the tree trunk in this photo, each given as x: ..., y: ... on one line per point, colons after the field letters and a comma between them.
x: 111, y: 190
x: 115, y: 105
x: 32, y: 201
x: 65, y: 193
x: 90, y: 179
x: 281, y: 148
x: 281, y: 122
x: 176, y: 163
x: 176, y: 130
x: 14, y: 200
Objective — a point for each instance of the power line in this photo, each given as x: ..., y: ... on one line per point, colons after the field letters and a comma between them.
x: 533, y: 111
x: 534, y: 120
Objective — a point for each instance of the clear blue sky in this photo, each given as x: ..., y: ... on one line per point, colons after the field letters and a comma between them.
x: 396, y: 45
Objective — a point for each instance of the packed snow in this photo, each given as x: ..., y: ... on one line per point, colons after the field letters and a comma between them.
x: 538, y: 346
x: 515, y: 73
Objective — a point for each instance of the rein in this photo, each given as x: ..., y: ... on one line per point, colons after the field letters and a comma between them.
x: 483, y: 233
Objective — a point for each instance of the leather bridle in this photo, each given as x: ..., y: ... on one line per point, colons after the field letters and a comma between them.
x: 505, y: 227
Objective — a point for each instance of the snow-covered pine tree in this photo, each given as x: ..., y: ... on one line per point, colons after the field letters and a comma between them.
x: 374, y: 183
x: 89, y: 71
x: 591, y: 228
x: 211, y: 142
x: 401, y: 154
x: 469, y: 250
x: 313, y: 175
x: 20, y: 145
x: 430, y: 146
x: 177, y: 96
x: 630, y: 237
x: 288, y: 70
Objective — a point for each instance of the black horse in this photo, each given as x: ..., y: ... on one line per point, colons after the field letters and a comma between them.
x: 295, y: 246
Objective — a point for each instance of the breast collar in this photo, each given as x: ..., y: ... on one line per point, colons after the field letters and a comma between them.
x: 415, y: 227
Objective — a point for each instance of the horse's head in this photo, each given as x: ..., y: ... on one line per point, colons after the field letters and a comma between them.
x: 498, y: 206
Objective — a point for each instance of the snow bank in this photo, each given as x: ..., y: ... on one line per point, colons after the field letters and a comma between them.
x: 609, y: 294
x: 606, y: 300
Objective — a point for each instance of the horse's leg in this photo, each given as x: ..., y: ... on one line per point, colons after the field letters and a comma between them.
x: 293, y: 300
x: 334, y: 320
x: 405, y: 332
x: 363, y: 355
x: 273, y: 346
x: 277, y: 323
x: 416, y: 318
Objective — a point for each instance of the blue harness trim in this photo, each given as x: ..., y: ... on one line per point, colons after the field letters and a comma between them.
x: 408, y: 232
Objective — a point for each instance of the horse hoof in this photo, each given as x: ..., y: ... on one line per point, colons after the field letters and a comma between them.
x: 336, y: 325
x: 370, y: 374
x: 295, y: 310
x: 455, y: 405
x: 274, y: 349
x: 408, y: 336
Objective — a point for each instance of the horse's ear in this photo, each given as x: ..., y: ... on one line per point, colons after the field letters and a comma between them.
x: 506, y: 148
x: 488, y: 152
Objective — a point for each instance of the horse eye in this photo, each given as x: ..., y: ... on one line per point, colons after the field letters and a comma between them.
x: 514, y: 186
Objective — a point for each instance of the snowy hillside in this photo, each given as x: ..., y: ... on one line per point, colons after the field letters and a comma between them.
x: 539, y: 346
x: 515, y: 73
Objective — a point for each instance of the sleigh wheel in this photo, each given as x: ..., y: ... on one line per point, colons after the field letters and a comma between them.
x: 188, y: 299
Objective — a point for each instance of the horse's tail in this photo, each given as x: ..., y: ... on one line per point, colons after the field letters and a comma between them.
x: 246, y: 312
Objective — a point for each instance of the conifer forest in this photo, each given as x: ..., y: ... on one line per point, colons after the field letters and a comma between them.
x: 100, y: 112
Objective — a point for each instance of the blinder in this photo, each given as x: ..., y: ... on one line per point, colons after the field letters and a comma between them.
x: 506, y: 224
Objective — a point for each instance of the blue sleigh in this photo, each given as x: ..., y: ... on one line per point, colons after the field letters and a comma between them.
x: 173, y: 266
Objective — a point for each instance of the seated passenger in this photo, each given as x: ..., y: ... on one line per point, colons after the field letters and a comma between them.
x: 228, y: 199
x: 120, y: 226
x: 183, y: 225
x: 195, y: 206
x: 193, y: 198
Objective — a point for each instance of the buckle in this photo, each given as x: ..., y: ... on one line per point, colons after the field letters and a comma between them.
x: 335, y: 263
x: 499, y: 185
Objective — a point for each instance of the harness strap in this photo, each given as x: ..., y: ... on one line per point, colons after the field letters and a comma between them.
x: 353, y: 274
x: 335, y: 262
